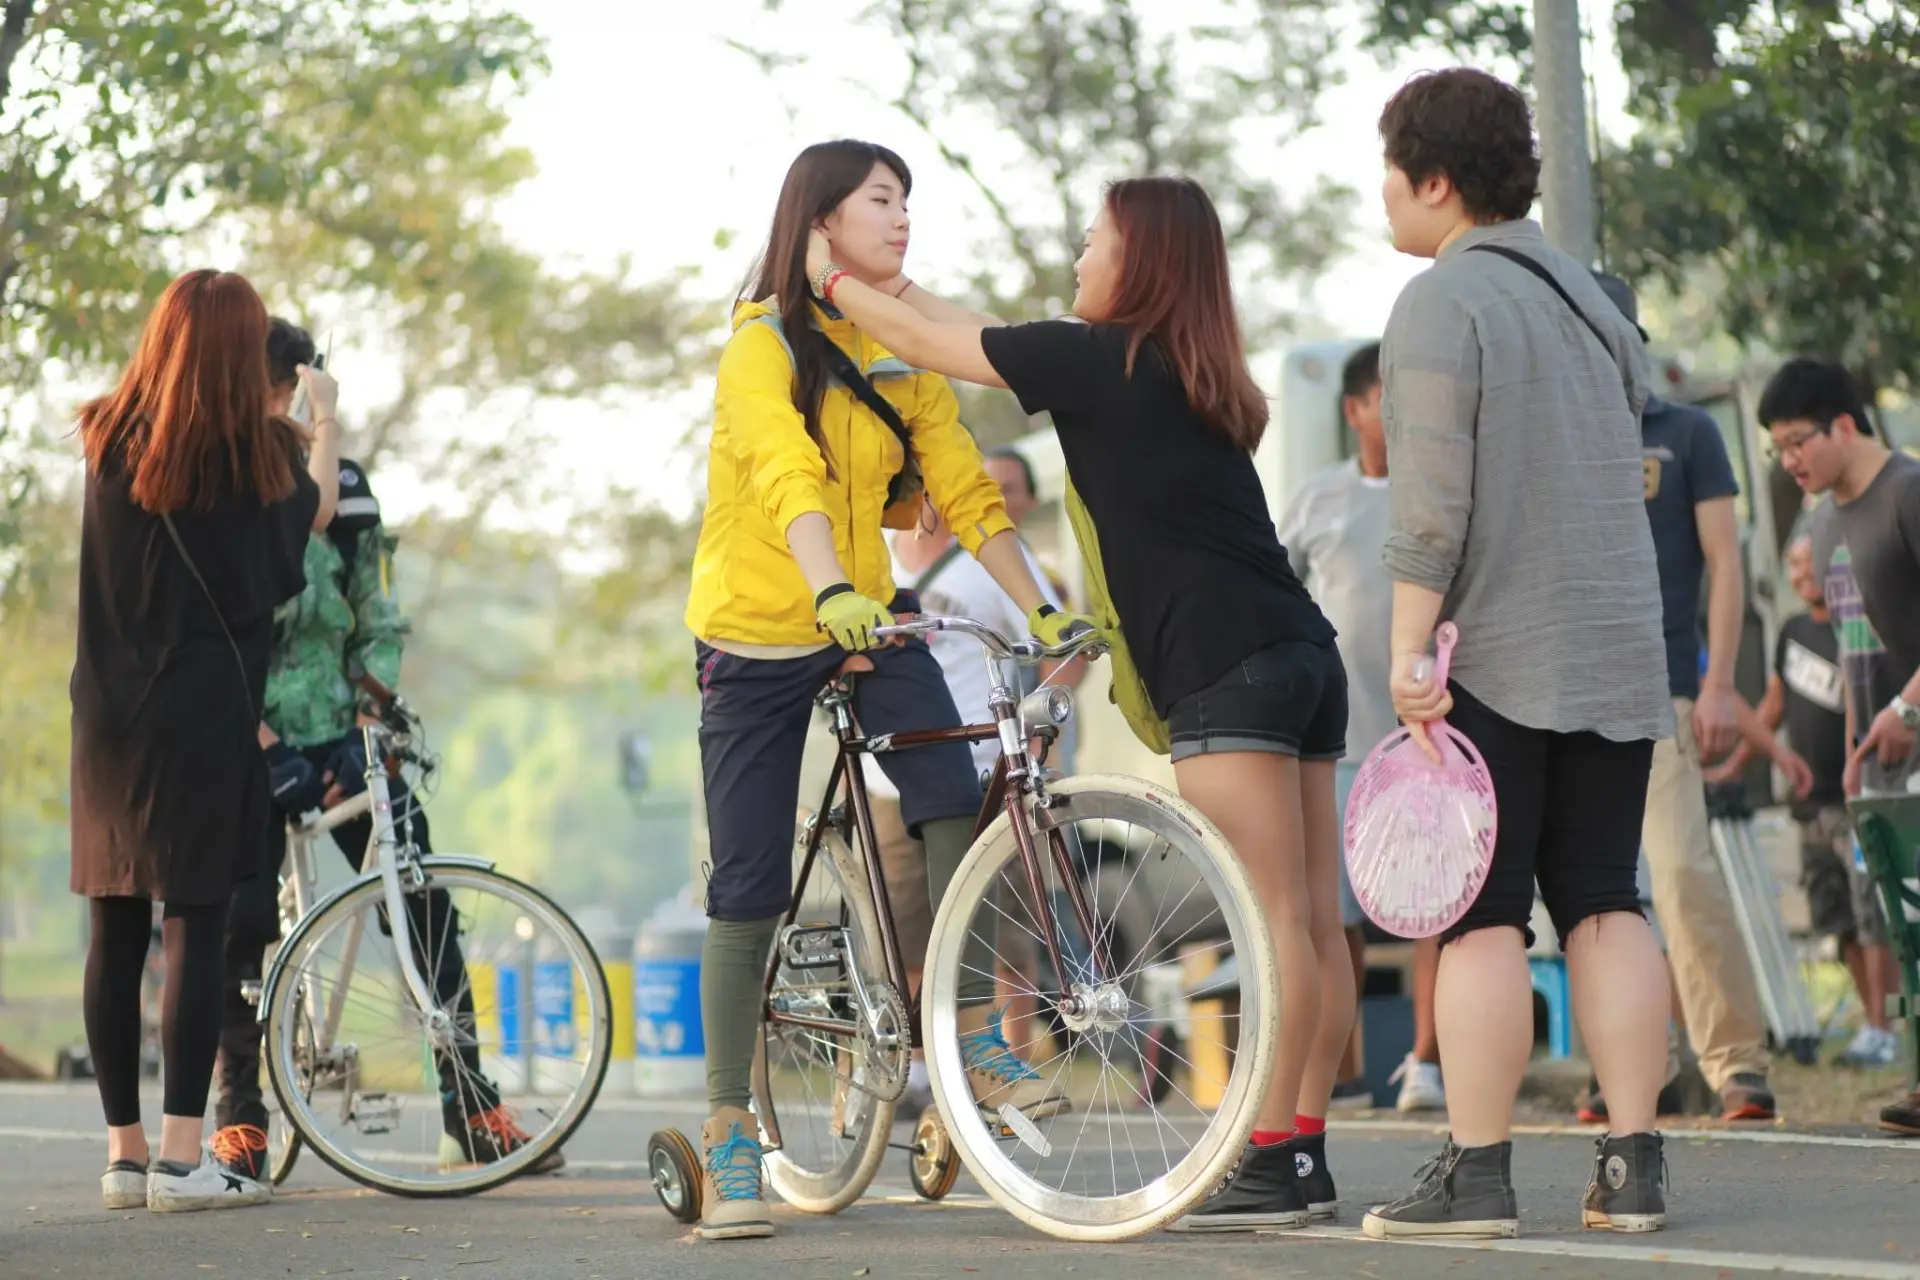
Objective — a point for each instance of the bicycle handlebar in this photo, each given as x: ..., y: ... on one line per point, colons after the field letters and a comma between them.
x: 1027, y: 652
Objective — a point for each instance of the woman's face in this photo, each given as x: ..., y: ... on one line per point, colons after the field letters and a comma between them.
x: 1098, y: 270
x: 868, y: 231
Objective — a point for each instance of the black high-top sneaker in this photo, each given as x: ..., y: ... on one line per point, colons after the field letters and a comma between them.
x: 1625, y: 1193
x: 1463, y: 1191
x: 1263, y: 1192
x: 1310, y: 1170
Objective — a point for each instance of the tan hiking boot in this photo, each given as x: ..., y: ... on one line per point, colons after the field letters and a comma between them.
x: 996, y: 1076
x: 733, y: 1204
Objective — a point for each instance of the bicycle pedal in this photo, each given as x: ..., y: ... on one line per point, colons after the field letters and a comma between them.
x: 376, y: 1112
x: 250, y: 991
x: 813, y: 946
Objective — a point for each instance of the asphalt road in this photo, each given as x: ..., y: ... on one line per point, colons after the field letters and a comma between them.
x: 1840, y: 1204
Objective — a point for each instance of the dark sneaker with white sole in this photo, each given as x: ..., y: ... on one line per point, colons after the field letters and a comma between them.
x: 1310, y: 1171
x: 1262, y: 1193
x: 1625, y: 1192
x: 1746, y: 1097
x: 1902, y: 1116
x: 1463, y: 1191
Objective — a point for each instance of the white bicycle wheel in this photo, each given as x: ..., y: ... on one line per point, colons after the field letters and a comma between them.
x: 825, y: 1095
x: 523, y: 1023
x: 1166, y: 892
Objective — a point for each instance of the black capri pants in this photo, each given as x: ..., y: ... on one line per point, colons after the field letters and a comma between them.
x: 1570, y: 811
x: 754, y: 714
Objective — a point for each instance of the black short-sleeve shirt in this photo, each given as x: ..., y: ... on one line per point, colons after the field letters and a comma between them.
x: 1192, y: 561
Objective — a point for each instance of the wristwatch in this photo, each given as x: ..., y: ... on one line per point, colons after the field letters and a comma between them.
x: 1908, y: 713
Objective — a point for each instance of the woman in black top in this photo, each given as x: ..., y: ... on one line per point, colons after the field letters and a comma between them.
x: 1158, y: 417
x: 198, y: 506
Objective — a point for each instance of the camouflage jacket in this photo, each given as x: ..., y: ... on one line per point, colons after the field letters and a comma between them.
x: 340, y: 622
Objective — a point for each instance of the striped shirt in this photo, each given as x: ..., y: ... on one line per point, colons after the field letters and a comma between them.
x: 1514, y: 443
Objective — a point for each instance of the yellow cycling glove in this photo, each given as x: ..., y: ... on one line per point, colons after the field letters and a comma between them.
x: 1054, y: 627
x: 850, y: 618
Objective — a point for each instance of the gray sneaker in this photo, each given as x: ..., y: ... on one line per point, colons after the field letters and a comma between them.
x: 1625, y: 1192
x: 1463, y: 1191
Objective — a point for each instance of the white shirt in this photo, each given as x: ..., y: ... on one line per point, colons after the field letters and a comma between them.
x: 963, y: 588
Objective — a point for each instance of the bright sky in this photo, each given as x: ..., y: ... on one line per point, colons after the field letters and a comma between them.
x: 651, y: 137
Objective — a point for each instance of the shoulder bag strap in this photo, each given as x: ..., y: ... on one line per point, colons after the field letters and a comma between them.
x: 239, y: 663
x: 934, y: 570
x: 855, y: 381
x: 1513, y: 255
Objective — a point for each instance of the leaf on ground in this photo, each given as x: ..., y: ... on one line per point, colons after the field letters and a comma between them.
x: 468, y: 1245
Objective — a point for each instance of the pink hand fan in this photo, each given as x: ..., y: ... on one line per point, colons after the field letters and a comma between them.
x: 1419, y: 835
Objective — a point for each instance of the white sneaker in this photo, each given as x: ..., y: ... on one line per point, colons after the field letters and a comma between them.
x: 124, y: 1185
x: 1871, y: 1047
x: 204, y: 1186
x: 1421, y: 1088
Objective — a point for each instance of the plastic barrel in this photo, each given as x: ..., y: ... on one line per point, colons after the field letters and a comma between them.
x: 669, y: 1042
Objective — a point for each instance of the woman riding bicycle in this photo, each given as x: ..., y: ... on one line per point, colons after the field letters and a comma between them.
x: 792, y: 576
x: 1158, y: 417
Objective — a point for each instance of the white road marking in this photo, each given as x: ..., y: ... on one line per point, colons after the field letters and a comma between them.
x: 1764, y: 1136
x: 1839, y: 1268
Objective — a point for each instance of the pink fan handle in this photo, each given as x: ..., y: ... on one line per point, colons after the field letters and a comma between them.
x: 1444, y: 638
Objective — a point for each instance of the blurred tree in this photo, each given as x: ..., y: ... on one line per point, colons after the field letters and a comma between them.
x: 1777, y: 149
x: 1081, y: 92
x: 349, y: 154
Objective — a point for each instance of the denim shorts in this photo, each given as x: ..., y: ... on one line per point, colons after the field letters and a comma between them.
x: 1289, y: 698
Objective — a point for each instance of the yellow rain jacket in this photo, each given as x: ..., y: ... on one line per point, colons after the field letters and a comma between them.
x: 763, y: 470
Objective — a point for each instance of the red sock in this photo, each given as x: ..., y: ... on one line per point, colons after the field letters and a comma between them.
x: 1309, y: 1126
x: 1270, y: 1137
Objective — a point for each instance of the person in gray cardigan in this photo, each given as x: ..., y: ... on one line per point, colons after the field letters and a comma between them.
x: 1512, y: 412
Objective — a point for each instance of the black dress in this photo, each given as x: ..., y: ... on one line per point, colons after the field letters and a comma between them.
x: 169, y: 785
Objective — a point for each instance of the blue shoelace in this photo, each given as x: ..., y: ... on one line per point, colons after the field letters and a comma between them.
x: 987, y: 1050
x: 735, y: 1166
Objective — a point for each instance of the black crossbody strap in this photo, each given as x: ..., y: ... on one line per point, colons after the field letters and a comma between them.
x: 856, y: 382
x: 239, y: 663
x: 1513, y: 255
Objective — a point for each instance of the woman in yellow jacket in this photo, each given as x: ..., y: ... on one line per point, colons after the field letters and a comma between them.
x: 791, y: 575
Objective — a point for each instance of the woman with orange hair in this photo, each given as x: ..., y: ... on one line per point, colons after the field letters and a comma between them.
x: 198, y: 507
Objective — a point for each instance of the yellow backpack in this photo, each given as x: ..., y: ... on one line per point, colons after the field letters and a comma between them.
x: 1128, y: 692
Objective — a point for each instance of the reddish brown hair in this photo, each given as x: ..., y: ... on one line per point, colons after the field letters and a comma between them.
x: 1174, y: 287
x: 190, y: 413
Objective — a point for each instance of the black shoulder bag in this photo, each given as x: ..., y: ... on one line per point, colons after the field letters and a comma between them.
x: 908, y: 484
x: 1514, y: 255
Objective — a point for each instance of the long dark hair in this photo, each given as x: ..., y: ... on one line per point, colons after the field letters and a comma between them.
x: 189, y: 415
x: 820, y: 177
x: 1175, y: 287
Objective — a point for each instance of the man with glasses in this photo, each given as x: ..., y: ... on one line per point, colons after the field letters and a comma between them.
x: 1866, y: 550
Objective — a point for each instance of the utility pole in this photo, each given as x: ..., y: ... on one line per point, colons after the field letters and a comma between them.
x: 1566, y: 168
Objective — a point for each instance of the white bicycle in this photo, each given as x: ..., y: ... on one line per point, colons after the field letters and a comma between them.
x: 433, y: 1027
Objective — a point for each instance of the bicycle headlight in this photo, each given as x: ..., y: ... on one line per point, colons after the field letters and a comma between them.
x: 1050, y: 705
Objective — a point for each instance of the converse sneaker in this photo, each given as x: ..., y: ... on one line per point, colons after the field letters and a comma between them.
x: 241, y: 1146
x: 1263, y: 1191
x: 180, y: 1188
x: 487, y: 1137
x: 733, y: 1204
x: 997, y: 1077
x: 1624, y: 1193
x: 1463, y: 1191
x: 1310, y: 1170
x: 124, y: 1185
x: 1420, y: 1086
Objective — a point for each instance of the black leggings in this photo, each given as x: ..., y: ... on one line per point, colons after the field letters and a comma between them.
x: 189, y: 1003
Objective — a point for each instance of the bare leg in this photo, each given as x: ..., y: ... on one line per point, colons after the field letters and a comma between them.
x: 1620, y: 990
x: 1483, y: 1012
x: 1353, y: 1057
x: 1339, y: 1004
x: 1255, y: 798
x: 1883, y: 977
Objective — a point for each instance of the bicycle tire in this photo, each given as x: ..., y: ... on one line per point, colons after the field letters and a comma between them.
x: 281, y: 1157
x: 1095, y: 1219
x: 366, y: 892
x: 829, y: 1190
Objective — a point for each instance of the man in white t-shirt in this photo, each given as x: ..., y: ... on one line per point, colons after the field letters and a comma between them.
x: 1334, y: 534
x: 929, y: 561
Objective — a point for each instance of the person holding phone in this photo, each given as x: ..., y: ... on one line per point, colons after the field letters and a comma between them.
x: 821, y: 437
x: 198, y: 506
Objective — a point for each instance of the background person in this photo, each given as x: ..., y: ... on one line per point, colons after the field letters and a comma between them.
x: 169, y: 786
x: 1335, y: 533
